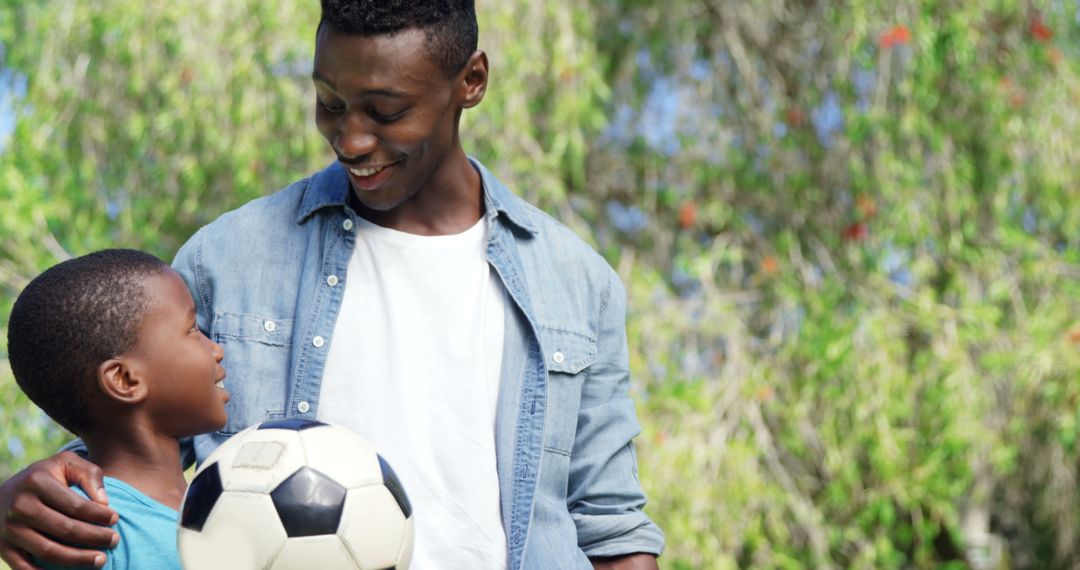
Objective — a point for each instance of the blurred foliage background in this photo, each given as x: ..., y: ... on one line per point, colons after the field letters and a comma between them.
x: 850, y: 233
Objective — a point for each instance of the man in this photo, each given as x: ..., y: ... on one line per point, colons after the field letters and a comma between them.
x: 405, y: 293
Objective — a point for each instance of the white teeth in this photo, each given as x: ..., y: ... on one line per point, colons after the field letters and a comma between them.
x: 365, y: 171
x: 220, y: 384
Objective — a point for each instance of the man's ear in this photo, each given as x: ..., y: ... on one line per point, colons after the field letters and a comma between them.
x: 474, y: 80
x: 121, y: 382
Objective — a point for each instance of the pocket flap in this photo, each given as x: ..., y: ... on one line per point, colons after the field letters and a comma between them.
x: 267, y: 330
x: 567, y: 352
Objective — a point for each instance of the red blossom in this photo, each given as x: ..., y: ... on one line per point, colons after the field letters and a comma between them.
x: 769, y: 265
x: 856, y: 232
x: 687, y: 215
x: 866, y: 205
x: 897, y: 35
x: 1039, y: 30
x: 795, y: 117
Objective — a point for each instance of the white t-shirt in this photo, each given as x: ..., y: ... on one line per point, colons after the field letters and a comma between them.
x: 414, y: 366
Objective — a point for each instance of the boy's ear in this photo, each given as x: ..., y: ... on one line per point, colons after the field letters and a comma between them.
x: 120, y: 382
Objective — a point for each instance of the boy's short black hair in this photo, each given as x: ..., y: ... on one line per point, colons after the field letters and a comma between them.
x: 70, y: 319
x: 449, y: 25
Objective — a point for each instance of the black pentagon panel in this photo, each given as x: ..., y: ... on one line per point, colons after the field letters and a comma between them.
x: 309, y: 503
x: 294, y: 424
x: 202, y: 495
x: 396, y: 489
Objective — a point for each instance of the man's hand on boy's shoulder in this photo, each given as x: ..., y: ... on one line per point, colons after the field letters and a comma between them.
x: 36, y: 502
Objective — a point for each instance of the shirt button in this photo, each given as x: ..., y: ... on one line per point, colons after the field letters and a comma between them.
x: 558, y: 357
x: 318, y: 342
x: 332, y: 280
x: 347, y: 225
x: 303, y: 407
x: 269, y: 326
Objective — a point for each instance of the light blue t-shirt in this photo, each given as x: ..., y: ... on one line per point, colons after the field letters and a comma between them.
x: 147, y: 531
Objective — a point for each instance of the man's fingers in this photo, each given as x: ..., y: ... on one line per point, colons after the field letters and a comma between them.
x: 25, y: 538
x: 56, y: 495
x: 15, y: 558
x: 43, y: 519
x: 88, y: 476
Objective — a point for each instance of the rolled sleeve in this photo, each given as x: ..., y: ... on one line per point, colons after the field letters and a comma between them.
x: 604, y: 494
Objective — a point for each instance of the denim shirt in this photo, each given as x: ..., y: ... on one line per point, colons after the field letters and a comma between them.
x: 268, y: 280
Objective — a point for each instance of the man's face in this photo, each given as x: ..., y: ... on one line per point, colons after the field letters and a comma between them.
x: 182, y: 366
x: 389, y: 112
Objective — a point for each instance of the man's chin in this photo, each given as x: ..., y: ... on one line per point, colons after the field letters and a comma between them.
x: 369, y: 202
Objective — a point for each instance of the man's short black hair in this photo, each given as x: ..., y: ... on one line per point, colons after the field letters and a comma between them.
x: 449, y: 25
x: 70, y: 319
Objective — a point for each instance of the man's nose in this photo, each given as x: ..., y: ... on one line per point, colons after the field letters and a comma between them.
x: 354, y: 138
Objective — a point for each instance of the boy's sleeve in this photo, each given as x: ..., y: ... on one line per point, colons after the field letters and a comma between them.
x: 604, y: 495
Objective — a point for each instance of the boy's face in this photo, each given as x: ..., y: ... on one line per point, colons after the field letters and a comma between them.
x: 389, y: 112
x: 181, y: 366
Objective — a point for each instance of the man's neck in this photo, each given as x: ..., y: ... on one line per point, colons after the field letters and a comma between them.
x: 147, y: 461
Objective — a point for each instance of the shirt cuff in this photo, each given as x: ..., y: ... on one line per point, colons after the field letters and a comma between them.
x: 618, y: 535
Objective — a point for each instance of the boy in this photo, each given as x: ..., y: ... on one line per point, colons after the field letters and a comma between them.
x: 106, y: 344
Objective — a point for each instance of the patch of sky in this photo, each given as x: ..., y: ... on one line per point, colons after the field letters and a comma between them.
x: 786, y: 325
x: 659, y: 120
x: 1030, y: 222
x: 754, y: 223
x: 686, y: 284
x: 15, y: 447
x: 627, y: 219
x: 828, y: 119
x: 701, y: 70
x: 113, y: 207
x: 298, y: 66
x: 897, y: 265
x: 12, y: 89
x: 864, y: 80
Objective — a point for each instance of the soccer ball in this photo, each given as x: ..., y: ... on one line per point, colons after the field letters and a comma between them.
x: 295, y: 494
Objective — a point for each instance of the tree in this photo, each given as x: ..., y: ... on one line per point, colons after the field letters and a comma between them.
x: 849, y: 234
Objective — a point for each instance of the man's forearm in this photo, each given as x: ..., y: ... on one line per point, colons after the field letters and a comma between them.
x: 638, y: 561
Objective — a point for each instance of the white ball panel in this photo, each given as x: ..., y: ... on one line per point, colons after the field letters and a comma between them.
x: 373, y: 527
x: 405, y: 556
x: 243, y: 531
x: 224, y: 448
x: 342, y: 455
x: 261, y: 461
x: 312, y: 553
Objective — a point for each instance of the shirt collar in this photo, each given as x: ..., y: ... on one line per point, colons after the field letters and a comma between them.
x: 330, y: 187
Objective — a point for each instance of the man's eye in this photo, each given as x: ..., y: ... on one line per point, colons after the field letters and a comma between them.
x: 331, y: 108
x: 385, y: 117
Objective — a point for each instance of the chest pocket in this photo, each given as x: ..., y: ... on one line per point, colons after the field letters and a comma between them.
x: 568, y: 356
x: 257, y: 363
